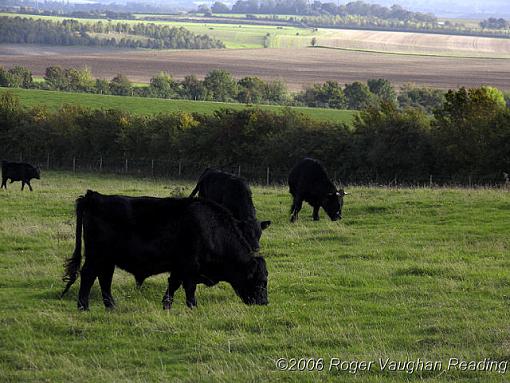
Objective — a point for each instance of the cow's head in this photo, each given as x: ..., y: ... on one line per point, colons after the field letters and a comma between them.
x: 252, y: 231
x: 35, y: 173
x: 333, y: 203
x: 251, y: 283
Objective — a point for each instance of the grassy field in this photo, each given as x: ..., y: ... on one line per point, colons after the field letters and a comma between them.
x: 408, y: 273
x: 142, y: 105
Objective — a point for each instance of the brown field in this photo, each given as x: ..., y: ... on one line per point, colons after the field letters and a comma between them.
x: 297, y: 67
x: 406, y: 42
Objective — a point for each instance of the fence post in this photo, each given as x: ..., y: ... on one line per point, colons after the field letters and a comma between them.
x: 267, y: 176
x: 48, y: 161
x: 152, y: 168
x: 74, y: 164
x: 430, y: 181
x: 126, y: 166
x: 239, y: 171
x: 180, y: 168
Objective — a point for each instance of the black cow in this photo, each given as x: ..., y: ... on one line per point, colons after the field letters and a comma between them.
x: 19, y: 171
x: 197, y: 241
x: 308, y: 181
x: 233, y: 193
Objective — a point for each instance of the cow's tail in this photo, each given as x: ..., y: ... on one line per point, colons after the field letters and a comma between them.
x: 197, y: 188
x: 72, y: 265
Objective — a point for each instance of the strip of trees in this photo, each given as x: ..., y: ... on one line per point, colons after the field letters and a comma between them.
x: 469, y: 134
x: 19, y: 30
x: 219, y: 85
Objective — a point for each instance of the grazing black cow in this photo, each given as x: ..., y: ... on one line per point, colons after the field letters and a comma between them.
x: 308, y: 181
x: 233, y: 193
x: 197, y: 241
x: 19, y: 171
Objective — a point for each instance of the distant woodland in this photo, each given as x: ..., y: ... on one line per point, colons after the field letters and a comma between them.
x: 113, y: 34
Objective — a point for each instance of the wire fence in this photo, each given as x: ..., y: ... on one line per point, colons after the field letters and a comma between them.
x: 183, y: 169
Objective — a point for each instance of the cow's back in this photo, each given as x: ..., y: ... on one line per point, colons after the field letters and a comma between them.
x: 307, y: 177
x: 229, y: 191
x: 17, y: 171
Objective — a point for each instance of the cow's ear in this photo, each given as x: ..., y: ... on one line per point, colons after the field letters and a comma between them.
x: 265, y: 224
x: 341, y: 192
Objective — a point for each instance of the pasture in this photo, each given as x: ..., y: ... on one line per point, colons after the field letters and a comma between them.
x: 408, y: 273
x: 143, y: 105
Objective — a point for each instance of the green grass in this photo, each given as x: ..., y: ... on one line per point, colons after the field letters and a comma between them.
x: 408, y: 273
x: 142, y: 105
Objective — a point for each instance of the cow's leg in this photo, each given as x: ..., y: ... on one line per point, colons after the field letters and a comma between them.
x: 4, y: 183
x: 29, y: 186
x: 173, y: 284
x: 105, y: 281
x: 296, y: 207
x: 315, y: 214
x: 88, y: 275
x: 190, y: 288
x: 22, y: 185
x: 139, y: 281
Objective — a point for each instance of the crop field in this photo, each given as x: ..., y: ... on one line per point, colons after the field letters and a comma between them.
x: 142, y: 105
x: 407, y: 274
x: 241, y: 35
x: 297, y: 67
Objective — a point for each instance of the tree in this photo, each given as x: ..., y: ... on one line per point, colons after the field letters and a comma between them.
x: 464, y: 129
x: 192, y: 88
x: 276, y: 92
x: 358, y: 95
x: 251, y: 90
x: 383, y: 89
x: 79, y: 79
x: 162, y: 86
x: 221, y: 85
x: 392, y: 143
x: 56, y: 78
x: 219, y: 7
x: 425, y: 98
x: 19, y: 77
x: 121, y: 86
x: 102, y: 86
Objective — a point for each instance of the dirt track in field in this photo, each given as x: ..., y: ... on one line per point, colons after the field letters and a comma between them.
x: 297, y: 67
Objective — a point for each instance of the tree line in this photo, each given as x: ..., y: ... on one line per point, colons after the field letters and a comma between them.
x: 303, y: 7
x: 20, y: 30
x: 220, y: 85
x: 469, y: 134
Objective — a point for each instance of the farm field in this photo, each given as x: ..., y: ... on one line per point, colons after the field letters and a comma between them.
x: 407, y: 274
x: 142, y: 105
x: 241, y: 35
x: 297, y: 67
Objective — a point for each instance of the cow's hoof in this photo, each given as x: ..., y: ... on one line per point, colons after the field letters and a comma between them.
x: 83, y: 308
x: 167, y: 305
x: 191, y: 304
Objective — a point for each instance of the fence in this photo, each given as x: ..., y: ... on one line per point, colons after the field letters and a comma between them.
x: 263, y: 175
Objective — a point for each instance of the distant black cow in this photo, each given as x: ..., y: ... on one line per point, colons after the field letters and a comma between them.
x: 19, y: 171
x: 197, y: 241
x: 233, y: 193
x: 309, y: 182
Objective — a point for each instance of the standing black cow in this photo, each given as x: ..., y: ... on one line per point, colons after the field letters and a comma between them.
x: 233, y: 193
x: 308, y: 181
x: 19, y: 171
x: 197, y: 241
